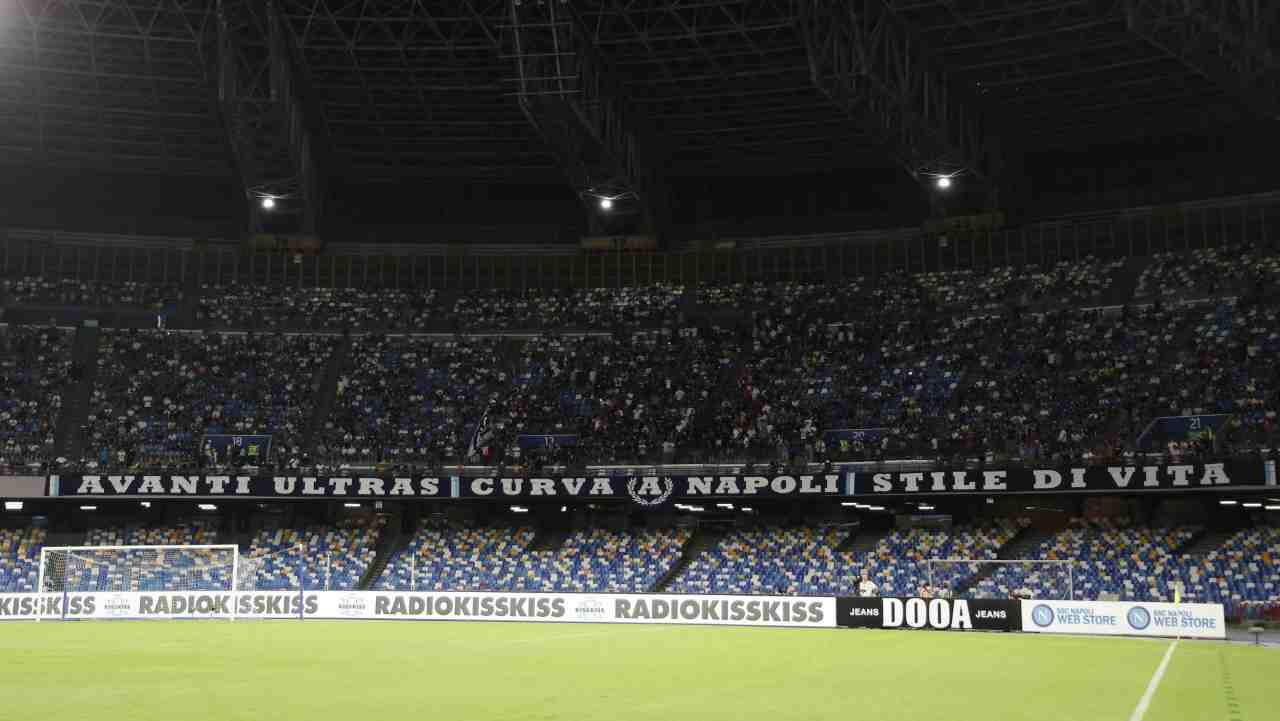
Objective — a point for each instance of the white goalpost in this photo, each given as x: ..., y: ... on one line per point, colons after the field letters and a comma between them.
x: 123, y: 569
x: 1000, y: 578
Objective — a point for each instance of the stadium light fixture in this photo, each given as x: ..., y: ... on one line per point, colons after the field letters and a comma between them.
x: 847, y: 504
x: 145, y: 504
x: 943, y: 182
x: 13, y: 505
x: 748, y: 509
x: 268, y: 203
x: 206, y: 506
x: 519, y: 509
x: 875, y: 508
x: 1251, y: 505
x: 606, y: 203
x: 925, y: 507
x: 1271, y: 507
x: 728, y: 506
x: 1226, y: 503
x: 351, y: 505
x: 88, y: 508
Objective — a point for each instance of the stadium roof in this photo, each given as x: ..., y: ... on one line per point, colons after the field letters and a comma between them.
x: 612, y: 97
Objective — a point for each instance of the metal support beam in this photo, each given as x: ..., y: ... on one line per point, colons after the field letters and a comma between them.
x: 577, y: 103
x: 275, y: 137
x: 1233, y: 44
x: 869, y: 62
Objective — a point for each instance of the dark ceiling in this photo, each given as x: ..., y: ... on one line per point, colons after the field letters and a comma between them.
x: 426, y: 89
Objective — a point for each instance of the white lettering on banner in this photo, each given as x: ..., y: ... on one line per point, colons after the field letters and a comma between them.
x: 937, y: 613
x: 185, y: 484
x: 994, y: 480
x: 90, y: 485
x: 150, y: 484
x: 218, y: 484
x: 912, y: 481
x: 1121, y: 476
x: 1215, y: 474
x: 1077, y: 478
x: 437, y: 606
x: 1124, y: 618
x: 1099, y: 478
x: 1046, y: 479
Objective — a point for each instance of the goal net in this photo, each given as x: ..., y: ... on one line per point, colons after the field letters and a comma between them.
x: 298, y: 567
x: 967, y: 578
x: 123, y: 569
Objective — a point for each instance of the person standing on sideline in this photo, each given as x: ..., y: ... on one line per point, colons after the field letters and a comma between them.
x: 868, y: 588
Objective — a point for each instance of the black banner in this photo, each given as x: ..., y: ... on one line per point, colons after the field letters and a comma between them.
x: 938, y: 614
x: 645, y: 491
x: 182, y: 485
x: 1078, y: 479
x: 653, y: 491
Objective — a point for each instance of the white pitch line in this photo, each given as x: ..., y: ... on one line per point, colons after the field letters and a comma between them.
x: 1145, y: 701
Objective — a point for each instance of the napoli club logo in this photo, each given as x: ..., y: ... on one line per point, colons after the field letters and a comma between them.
x: 1042, y: 616
x: 650, y: 491
x: 1139, y: 618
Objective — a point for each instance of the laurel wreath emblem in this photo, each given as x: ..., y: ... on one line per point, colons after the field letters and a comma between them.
x: 633, y: 483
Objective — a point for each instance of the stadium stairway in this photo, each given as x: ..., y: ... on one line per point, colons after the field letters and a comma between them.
x: 390, y: 542
x: 703, y: 538
x: 1124, y: 281
x: 549, y: 540
x: 326, y: 392
x: 862, y: 542
x: 67, y: 437
x: 1023, y: 544
x: 1205, y: 542
x: 1020, y: 546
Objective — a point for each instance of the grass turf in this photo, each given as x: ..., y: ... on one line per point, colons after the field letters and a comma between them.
x: 344, y: 671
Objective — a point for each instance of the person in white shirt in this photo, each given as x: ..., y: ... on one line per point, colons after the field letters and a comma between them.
x: 868, y: 588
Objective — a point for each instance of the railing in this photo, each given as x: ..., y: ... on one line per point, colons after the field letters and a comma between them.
x: 804, y: 258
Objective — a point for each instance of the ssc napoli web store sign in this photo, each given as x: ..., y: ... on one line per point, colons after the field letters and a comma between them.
x: 1124, y: 618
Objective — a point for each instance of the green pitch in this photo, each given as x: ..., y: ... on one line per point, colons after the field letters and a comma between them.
x: 335, y: 671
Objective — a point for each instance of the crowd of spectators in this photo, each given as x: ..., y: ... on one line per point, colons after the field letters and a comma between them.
x: 1207, y: 272
x: 1082, y: 282
x: 37, y: 290
x: 407, y: 399
x: 582, y: 309
x: 36, y: 371
x: 264, y: 307
x: 159, y: 392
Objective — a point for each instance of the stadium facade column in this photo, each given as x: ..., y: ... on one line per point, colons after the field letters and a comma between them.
x: 277, y: 139
x: 1231, y: 44
x: 869, y: 62
x: 576, y: 101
